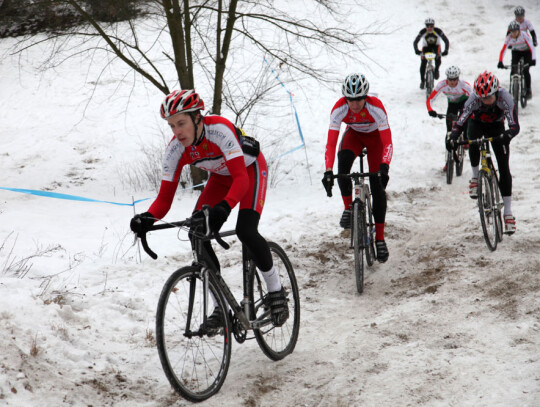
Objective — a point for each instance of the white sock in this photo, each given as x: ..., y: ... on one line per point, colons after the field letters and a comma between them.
x: 507, y: 200
x: 475, y: 171
x: 271, y: 277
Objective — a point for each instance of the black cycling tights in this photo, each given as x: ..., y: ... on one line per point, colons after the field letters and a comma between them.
x: 248, y: 233
x: 345, y: 161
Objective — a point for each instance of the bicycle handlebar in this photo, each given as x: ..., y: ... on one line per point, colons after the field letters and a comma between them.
x: 192, y: 221
x: 480, y: 140
x: 449, y: 116
x: 357, y: 175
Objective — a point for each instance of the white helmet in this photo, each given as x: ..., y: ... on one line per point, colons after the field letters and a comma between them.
x: 355, y: 86
x: 429, y: 21
x: 452, y: 72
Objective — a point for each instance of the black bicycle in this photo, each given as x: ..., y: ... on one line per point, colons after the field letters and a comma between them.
x: 362, y: 223
x: 455, y: 157
x: 430, y: 72
x: 517, y: 83
x: 196, y: 359
x: 490, y: 203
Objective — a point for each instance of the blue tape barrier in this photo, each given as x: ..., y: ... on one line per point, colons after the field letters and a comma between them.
x: 68, y: 197
x: 79, y: 198
x: 295, y: 112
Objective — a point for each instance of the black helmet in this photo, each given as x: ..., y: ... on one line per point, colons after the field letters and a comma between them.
x: 514, y: 26
x: 519, y: 11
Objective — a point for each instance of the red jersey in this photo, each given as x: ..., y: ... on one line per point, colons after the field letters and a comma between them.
x: 218, y: 151
x: 371, y: 118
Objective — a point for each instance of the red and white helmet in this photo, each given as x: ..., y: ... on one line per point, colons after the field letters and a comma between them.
x: 181, y: 101
x: 486, y: 84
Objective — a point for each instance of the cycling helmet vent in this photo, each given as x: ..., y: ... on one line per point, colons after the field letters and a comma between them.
x: 355, y: 86
x: 486, y: 84
x: 181, y: 101
x: 452, y: 72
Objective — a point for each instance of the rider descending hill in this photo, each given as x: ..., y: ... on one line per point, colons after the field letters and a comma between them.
x: 487, y: 108
x: 522, y: 47
x: 524, y: 24
x: 457, y: 92
x: 238, y: 177
x: 431, y: 37
x: 367, y: 127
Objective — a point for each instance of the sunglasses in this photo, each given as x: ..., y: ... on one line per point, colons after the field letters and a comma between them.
x: 355, y: 99
x: 453, y: 79
x: 429, y: 26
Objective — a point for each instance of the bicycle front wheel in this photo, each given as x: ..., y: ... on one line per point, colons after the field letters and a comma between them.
x: 460, y: 152
x: 429, y: 82
x: 486, y: 208
x: 195, y: 362
x: 358, y: 236
x: 275, y: 342
x: 370, y: 235
x: 515, y: 93
x: 449, y: 166
x: 523, y: 94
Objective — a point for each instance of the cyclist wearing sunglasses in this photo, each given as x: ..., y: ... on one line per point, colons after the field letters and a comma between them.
x: 524, y: 24
x: 522, y: 47
x: 367, y: 127
x: 488, y: 107
x: 457, y: 92
x: 432, y: 38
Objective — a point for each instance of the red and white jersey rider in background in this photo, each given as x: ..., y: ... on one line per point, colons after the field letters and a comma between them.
x: 522, y: 47
x: 457, y: 92
x: 238, y: 176
x: 367, y: 127
x: 524, y: 24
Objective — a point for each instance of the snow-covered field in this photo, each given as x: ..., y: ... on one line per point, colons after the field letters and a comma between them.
x: 445, y: 322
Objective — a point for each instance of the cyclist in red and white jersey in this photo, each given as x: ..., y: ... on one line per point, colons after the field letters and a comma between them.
x: 238, y: 176
x: 521, y: 44
x: 367, y: 127
x: 457, y: 92
x: 524, y: 24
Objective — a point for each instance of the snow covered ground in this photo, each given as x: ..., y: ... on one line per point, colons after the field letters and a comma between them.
x: 445, y: 322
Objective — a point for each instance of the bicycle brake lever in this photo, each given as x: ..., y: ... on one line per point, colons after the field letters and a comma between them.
x: 221, y: 242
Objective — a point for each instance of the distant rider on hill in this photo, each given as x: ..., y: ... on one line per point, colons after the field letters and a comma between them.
x: 431, y: 37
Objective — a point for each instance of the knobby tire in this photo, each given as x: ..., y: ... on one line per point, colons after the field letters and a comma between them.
x: 275, y: 342
x: 486, y: 209
x: 358, y: 236
x: 370, y: 224
x: 195, y: 365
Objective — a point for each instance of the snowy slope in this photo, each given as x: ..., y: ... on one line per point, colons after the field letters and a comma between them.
x: 445, y: 322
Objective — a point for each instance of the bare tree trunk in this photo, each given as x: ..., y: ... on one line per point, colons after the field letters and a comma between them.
x: 181, y: 41
x: 222, y: 53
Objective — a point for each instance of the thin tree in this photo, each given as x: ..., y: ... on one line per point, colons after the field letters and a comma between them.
x: 203, y: 33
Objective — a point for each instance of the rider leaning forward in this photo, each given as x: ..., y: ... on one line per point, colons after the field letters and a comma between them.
x: 367, y: 127
x: 238, y: 176
x: 487, y: 109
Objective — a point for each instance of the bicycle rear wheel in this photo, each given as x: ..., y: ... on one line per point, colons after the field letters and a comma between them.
x: 460, y: 152
x: 449, y: 166
x: 195, y: 363
x: 486, y: 208
x: 429, y: 82
x: 275, y: 342
x: 358, y: 236
x: 370, y: 235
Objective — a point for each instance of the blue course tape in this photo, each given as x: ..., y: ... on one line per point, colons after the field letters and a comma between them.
x: 78, y: 198
x: 295, y: 112
x: 68, y: 197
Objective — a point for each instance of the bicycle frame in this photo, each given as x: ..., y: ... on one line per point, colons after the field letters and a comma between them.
x: 202, y: 260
